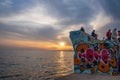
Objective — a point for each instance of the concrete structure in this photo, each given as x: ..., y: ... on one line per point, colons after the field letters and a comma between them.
x: 95, y: 56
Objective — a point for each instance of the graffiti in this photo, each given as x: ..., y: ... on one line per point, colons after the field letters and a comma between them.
x: 103, y: 67
x: 93, y: 56
x: 100, y: 57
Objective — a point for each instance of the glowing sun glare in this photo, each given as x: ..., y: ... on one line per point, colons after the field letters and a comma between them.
x: 62, y: 44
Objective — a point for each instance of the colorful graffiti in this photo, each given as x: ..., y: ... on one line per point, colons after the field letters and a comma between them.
x: 101, y: 57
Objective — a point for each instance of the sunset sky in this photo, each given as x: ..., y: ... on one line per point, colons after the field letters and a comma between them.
x: 45, y: 24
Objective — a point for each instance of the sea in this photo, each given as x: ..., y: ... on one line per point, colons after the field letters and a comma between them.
x: 35, y: 64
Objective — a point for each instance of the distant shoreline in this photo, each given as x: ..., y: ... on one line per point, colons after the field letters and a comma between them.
x: 1, y: 49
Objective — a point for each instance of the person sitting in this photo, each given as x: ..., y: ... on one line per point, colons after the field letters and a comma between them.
x: 94, y: 34
x: 82, y: 29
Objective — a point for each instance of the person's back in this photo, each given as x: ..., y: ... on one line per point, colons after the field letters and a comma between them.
x: 108, y: 34
x: 114, y: 34
x: 119, y: 33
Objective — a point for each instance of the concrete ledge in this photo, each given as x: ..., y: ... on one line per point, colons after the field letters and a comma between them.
x: 76, y: 76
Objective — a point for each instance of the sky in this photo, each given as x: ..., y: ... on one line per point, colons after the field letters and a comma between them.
x: 44, y: 24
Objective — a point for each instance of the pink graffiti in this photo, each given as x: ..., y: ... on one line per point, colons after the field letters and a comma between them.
x: 97, y: 55
x: 90, y: 55
x: 105, y: 56
x: 81, y: 55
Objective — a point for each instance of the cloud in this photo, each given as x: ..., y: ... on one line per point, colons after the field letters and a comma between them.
x: 70, y: 12
x: 46, y: 33
x: 100, y: 21
x: 108, y: 17
x: 64, y: 12
x: 11, y: 7
x: 6, y: 3
x: 45, y: 20
x: 35, y: 15
x: 111, y: 8
x: 52, y: 20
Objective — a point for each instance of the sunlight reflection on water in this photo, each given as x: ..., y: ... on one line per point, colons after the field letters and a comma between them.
x: 35, y: 65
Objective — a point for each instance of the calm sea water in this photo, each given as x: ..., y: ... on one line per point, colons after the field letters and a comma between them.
x: 34, y: 64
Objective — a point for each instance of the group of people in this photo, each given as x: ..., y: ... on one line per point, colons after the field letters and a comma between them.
x: 110, y: 35
x: 113, y: 35
x: 93, y: 34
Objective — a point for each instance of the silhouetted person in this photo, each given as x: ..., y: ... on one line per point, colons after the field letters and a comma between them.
x: 94, y: 34
x: 108, y: 34
x: 82, y: 29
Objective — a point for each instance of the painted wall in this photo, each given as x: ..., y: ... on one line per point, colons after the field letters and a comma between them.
x: 95, y: 56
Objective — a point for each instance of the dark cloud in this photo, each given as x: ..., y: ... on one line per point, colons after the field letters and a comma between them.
x: 111, y: 8
x: 46, y: 33
x: 70, y: 12
x: 12, y: 7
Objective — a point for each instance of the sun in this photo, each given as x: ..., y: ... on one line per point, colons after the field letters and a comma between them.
x: 62, y: 44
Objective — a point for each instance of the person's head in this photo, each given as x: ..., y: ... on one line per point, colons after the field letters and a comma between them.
x: 93, y: 30
x: 115, y: 29
x: 82, y: 28
x: 109, y: 30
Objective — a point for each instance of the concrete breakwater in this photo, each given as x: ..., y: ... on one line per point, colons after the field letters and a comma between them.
x: 95, y: 56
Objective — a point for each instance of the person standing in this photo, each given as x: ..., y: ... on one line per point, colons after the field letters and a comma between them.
x: 119, y: 35
x: 108, y: 34
x: 114, y: 34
